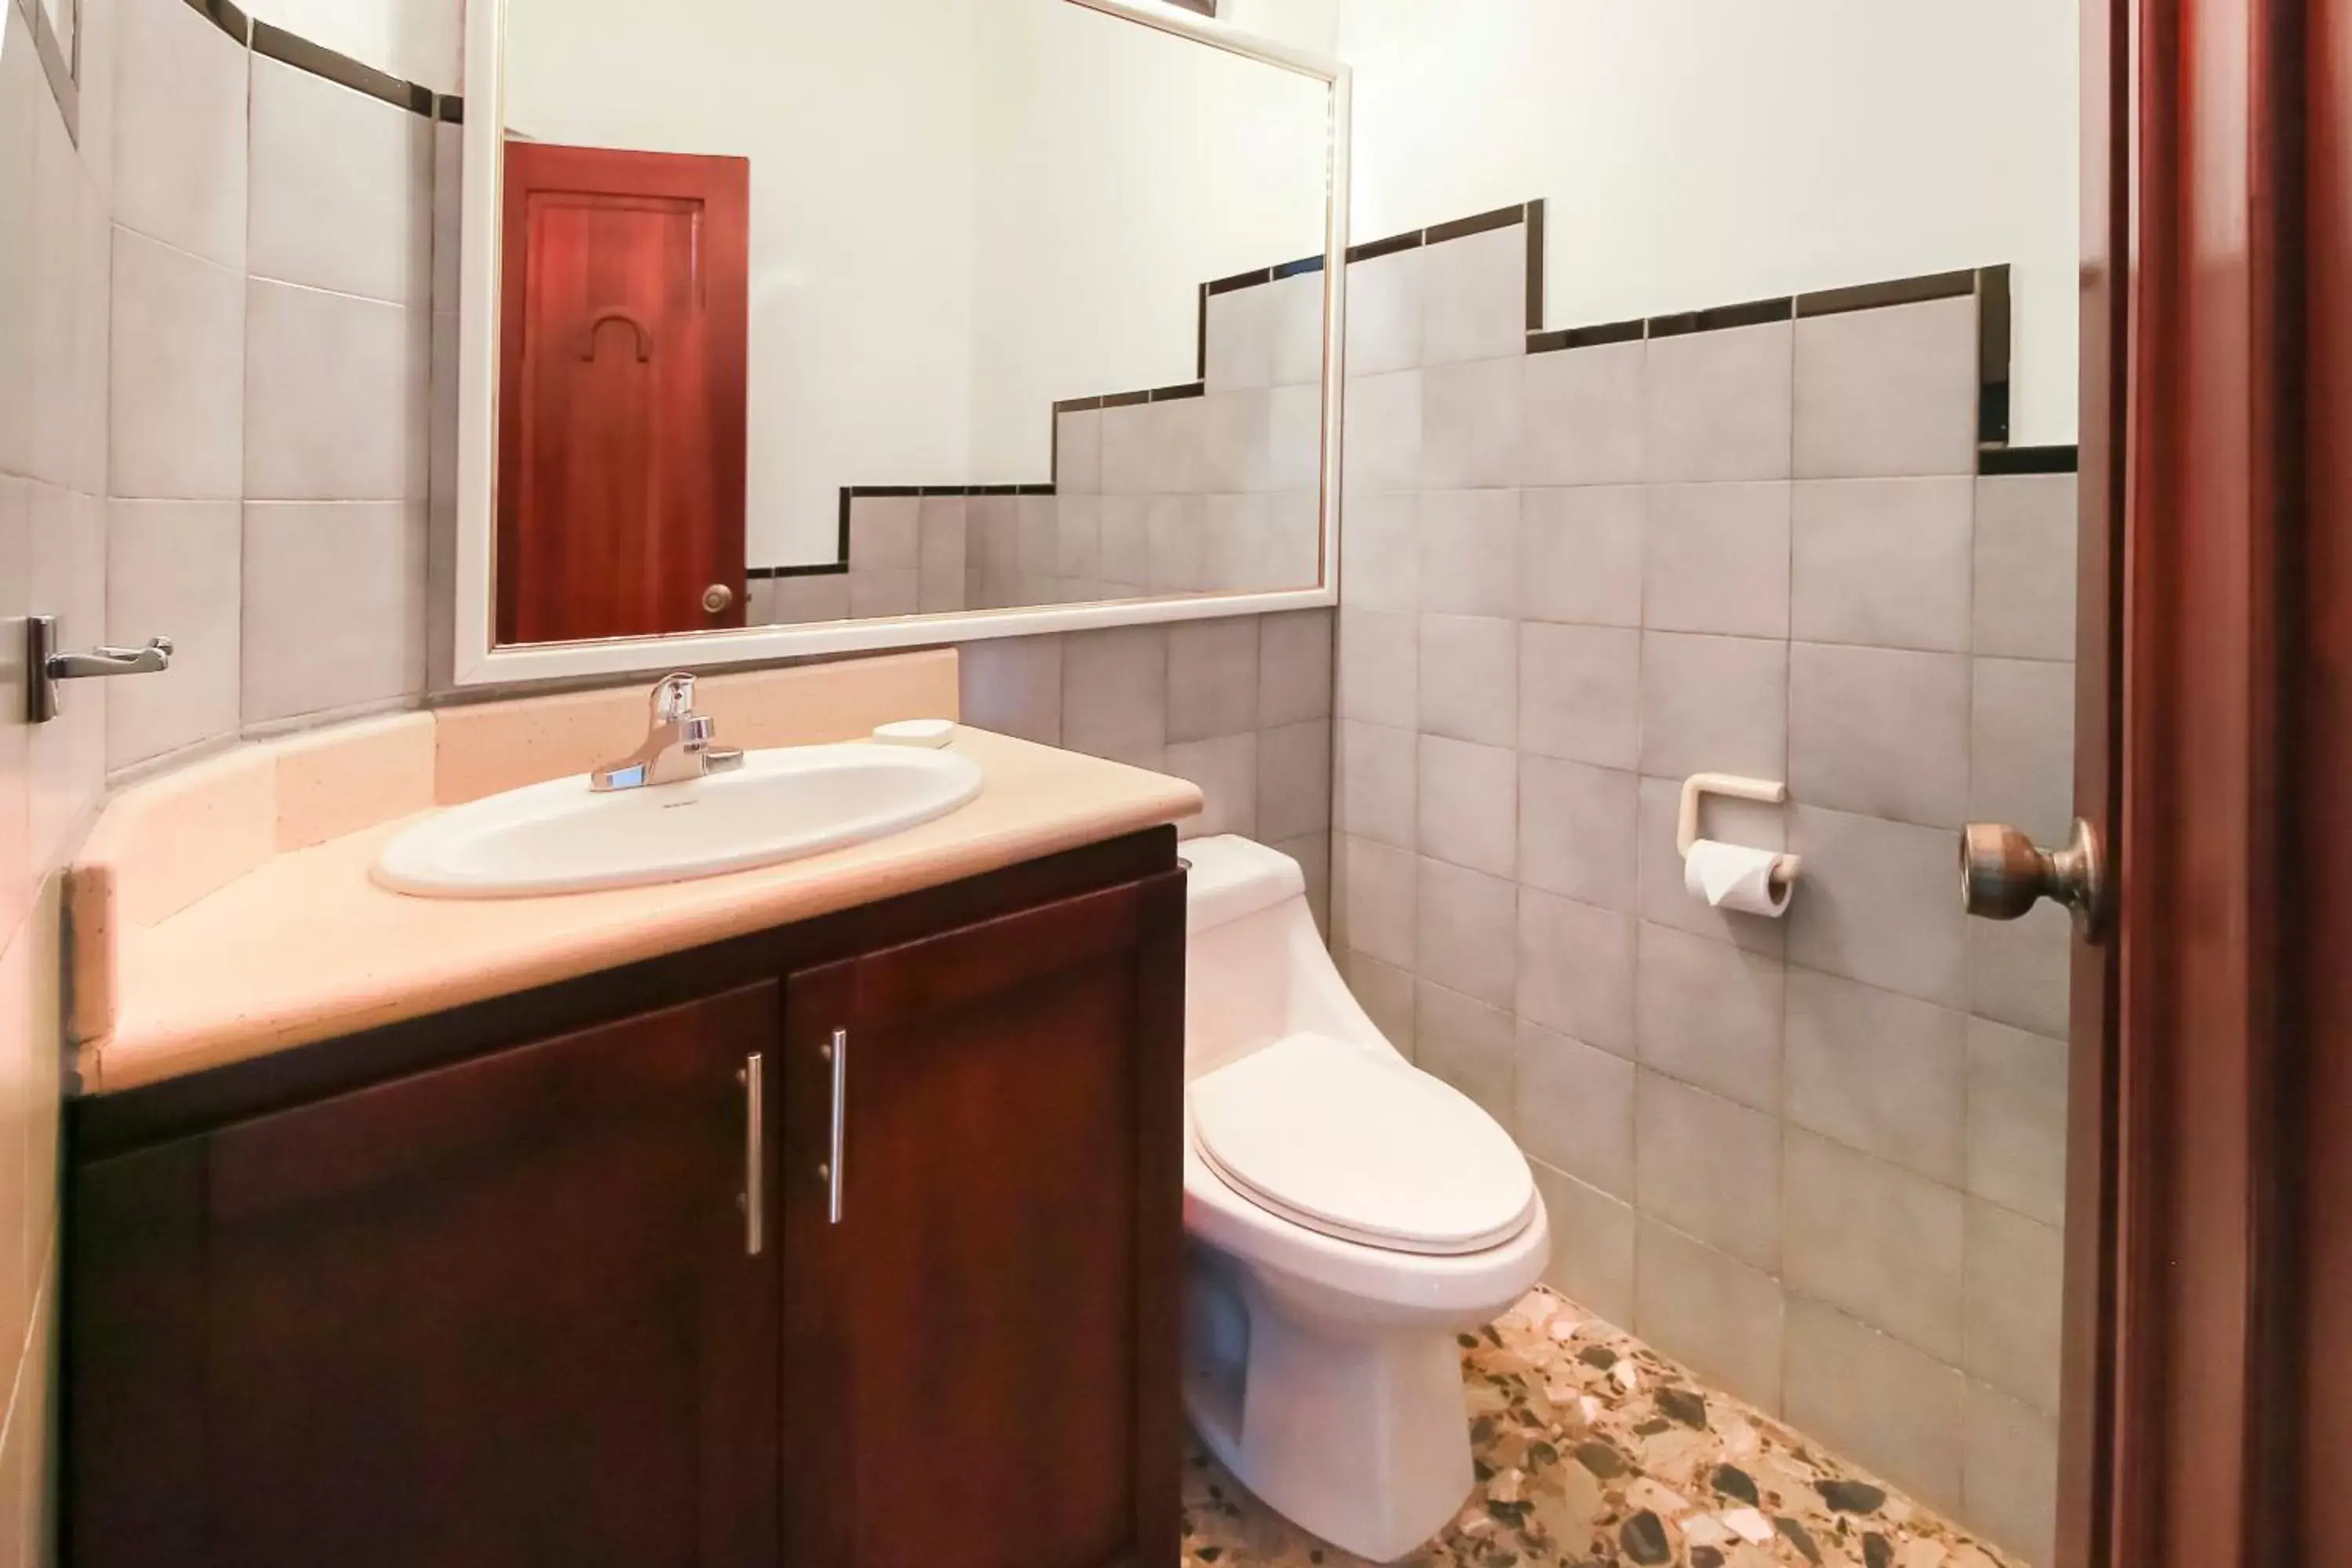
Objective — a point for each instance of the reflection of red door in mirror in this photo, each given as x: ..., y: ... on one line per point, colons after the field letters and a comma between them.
x: 621, y: 363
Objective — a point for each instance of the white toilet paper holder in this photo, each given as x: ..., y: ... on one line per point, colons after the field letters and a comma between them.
x: 1784, y: 868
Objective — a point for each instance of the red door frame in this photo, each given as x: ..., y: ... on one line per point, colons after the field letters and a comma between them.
x: 2211, y: 1181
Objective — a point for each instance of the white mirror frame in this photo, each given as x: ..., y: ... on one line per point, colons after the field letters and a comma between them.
x: 478, y: 660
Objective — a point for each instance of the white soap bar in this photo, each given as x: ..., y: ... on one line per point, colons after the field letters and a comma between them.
x: 931, y: 734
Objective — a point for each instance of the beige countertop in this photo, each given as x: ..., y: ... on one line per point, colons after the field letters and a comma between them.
x: 289, y: 942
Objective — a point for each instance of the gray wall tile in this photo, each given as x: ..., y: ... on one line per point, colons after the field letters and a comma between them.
x: 2010, y: 1492
x: 1576, y: 829
x: 1875, y: 903
x: 335, y: 394
x: 1115, y: 691
x: 1580, y: 554
x: 180, y: 129
x: 1591, y: 1244
x: 1385, y: 991
x: 1470, y: 553
x: 1717, y: 404
x: 342, y: 188
x: 1884, y: 563
x: 1575, y: 1108
x: 1468, y: 1043
x: 1470, y: 424
x: 1709, y: 1168
x: 1879, y: 1072
x: 1380, y: 666
x: 1240, y: 339
x: 2018, y: 969
x: 1882, y: 731
x: 1469, y: 805
x: 2016, y: 1277
x: 173, y: 569
x: 1293, y: 667
x: 1714, y: 705
x: 885, y: 533
x: 1384, y: 312
x: 2017, y: 1119
x: 1716, y: 560
x: 1576, y: 970
x: 1226, y: 770
x: 1011, y: 685
x: 1078, y: 452
x: 1380, y: 556
x: 1711, y: 1014
x: 178, y: 338
x: 1875, y: 1242
x: 1474, y: 296
x: 1378, y: 796
x: 1212, y: 678
x: 1582, y: 417
x: 1710, y: 1312
x: 1879, y: 1402
x: 2026, y: 541
x: 1580, y: 693
x: 2021, y: 747
x: 334, y: 606
x: 1469, y: 679
x: 1380, y: 886
x: 1465, y: 942
x: 1293, y: 780
x: 1384, y: 419
x: 1887, y: 391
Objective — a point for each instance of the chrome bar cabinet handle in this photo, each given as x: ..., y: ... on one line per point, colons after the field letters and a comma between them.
x: 755, y: 1159
x: 837, y: 1051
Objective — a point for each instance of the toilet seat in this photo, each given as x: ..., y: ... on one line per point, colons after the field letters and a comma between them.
x: 1362, y: 1147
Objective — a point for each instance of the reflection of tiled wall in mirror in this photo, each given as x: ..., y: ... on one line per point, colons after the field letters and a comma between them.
x: 1210, y: 487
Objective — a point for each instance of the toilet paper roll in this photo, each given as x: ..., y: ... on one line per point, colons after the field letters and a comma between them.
x: 1734, y: 877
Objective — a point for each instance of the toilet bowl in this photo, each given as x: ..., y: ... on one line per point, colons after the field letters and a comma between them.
x: 1346, y: 1216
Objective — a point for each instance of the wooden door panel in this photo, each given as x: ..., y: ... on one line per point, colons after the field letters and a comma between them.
x: 621, y: 365
x: 494, y: 1315
x: 1012, y: 1181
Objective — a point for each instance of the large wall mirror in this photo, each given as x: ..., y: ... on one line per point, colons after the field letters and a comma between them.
x: 794, y: 327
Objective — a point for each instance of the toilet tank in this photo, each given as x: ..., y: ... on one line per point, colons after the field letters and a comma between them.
x: 1255, y: 969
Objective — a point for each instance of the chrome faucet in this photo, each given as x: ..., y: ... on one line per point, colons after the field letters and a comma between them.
x: 677, y: 746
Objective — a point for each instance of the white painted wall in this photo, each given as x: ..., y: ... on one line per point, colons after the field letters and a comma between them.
x: 960, y: 212
x: 1695, y: 153
x: 1119, y: 169
x: 417, y: 40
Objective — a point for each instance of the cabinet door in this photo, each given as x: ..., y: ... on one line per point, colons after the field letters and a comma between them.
x: 509, y: 1312
x: 980, y: 1351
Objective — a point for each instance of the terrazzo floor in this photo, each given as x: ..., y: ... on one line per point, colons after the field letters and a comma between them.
x: 1594, y: 1449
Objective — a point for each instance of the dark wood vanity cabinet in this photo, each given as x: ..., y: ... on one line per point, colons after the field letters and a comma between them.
x: 622, y: 1289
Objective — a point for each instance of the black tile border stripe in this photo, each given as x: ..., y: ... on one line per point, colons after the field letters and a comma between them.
x: 1590, y: 337
x: 64, y: 74
x: 1535, y: 211
x: 225, y: 16
x: 1389, y: 246
x: 2028, y: 459
x: 1464, y: 228
x: 277, y: 44
x: 1721, y: 317
x: 1898, y: 291
x: 1238, y: 280
x: 1294, y: 268
x: 449, y: 108
x: 1993, y: 356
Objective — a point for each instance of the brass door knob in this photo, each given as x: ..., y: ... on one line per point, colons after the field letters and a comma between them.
x: 2003, y: 874
x: 717, y: 597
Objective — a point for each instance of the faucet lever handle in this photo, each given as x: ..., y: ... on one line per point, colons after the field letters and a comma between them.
x: 673, y: 697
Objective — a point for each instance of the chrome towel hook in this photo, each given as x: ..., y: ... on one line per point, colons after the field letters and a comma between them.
x: 44, y: 666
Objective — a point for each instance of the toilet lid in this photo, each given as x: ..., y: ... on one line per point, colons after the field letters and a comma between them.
x: 1361, y: 1146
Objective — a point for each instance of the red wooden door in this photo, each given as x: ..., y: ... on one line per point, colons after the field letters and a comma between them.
x: 2210, y: 1352
x: 502, y: 1313
x: 623, y: 313
x: 1010, y: 1177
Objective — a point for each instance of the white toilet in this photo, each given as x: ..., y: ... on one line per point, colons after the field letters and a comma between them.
x: 1347, y: 1214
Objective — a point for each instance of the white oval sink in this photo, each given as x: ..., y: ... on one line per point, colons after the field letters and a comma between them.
x: 563, y: 837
